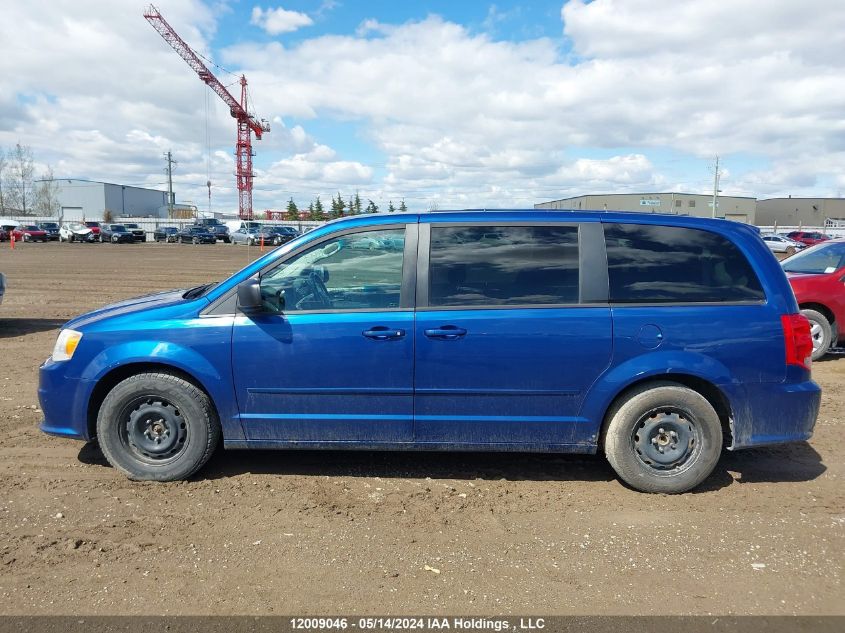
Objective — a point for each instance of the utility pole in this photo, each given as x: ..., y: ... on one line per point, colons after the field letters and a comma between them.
x: 170, y: 163
x: 715, y: 186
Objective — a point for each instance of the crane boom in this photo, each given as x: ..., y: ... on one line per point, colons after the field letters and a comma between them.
x: 247, y: 123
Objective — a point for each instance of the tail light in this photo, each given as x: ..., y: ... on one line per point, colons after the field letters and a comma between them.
x: 799, y: 342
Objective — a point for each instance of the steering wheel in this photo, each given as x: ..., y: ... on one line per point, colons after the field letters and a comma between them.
x: 317, y: 295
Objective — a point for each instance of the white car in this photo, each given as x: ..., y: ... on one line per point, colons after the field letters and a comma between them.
x: 76, y: 232
x: 781, y: 244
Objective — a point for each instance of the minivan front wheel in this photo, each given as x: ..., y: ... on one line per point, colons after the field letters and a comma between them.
x: 820, y: 331
x: 157, y: 427
x: 663, y: 437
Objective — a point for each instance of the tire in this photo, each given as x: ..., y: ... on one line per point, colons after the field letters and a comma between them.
x: 196, y: 241
x: 821, y: 331
x: 157, y: 427
x: 638, y: 441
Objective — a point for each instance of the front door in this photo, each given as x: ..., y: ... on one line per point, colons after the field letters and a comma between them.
x: 511, y: 333
x: 331, y: 359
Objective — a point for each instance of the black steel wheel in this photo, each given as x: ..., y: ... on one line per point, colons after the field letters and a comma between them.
x: 157, y: 427
x: 663, y: 437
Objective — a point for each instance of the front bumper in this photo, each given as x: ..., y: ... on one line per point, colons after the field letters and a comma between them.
x: 64, y: 401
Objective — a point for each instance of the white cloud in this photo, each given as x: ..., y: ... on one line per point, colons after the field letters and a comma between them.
x: 279, y: 20
x: 450, y: 115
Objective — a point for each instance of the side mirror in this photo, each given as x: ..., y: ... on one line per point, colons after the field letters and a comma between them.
x: 249, y: 296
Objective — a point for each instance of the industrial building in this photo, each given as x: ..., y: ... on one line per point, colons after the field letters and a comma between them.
x: 799, y: 211
x: 738, y: 208
x: 89, y: 199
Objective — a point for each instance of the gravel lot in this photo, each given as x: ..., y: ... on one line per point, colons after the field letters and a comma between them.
x: 317, y: 533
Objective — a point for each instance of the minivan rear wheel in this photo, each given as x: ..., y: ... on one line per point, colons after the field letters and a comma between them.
x: 663, y: 437
x: 820, y: 331
x: 157, y: 427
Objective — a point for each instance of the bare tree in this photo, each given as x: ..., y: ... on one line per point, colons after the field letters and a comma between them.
x: 20, y: 179
x: 47, y: 195
x: 4, y: 164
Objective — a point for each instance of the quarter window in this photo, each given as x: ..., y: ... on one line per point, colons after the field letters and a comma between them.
x: 667, y: 264
x: 503, y: 265
x: 357, y: 271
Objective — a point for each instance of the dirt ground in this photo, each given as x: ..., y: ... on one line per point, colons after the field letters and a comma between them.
x: 318, y: 533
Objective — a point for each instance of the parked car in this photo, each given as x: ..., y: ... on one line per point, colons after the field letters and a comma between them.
x: 166, y: 234
x: 656, y: 340
x: 252, y: 236
x: 138, y: 233
x: 116, y: 234
x: 95, y: 227
x: 76, y: 232
x: 197, y: 235
x: 808, y: 238
x: 4, y: 235
x: 2, y: 286
x: 29, y: 233
x: 282, y: 234
x: 213, y: 225
x: 781, y: 244
x: 817, y: 275
x: 51, y: 229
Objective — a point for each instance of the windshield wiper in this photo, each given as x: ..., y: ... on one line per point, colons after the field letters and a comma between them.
x: 193, y: 293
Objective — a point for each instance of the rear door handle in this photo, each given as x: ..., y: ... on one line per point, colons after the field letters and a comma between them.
x: 446, y: 332
x: 381, y: 333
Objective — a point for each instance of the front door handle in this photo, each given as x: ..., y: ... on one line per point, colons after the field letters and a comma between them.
x: 446, y: 332
x: 381, y: 333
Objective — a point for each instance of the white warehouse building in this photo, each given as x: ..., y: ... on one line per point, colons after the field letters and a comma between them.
x: 88, y: 199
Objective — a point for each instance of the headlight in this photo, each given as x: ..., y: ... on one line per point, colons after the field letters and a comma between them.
x: 66, y: 345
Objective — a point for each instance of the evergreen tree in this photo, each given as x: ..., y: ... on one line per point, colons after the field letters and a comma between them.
x: 315, y: 210
x: 357, y: 203
x: 293, y: 210
x: 341, y: 205
x: 390, y: 207
x: 350, y: 207
x: 402, y: 206
x: 372, y: 207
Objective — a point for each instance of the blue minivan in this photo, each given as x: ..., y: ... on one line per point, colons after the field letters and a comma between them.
x: 657, y: 340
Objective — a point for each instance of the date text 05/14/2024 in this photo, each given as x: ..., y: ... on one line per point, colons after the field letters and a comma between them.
x: 416, y: 623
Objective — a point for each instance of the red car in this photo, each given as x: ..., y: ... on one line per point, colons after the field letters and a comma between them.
x: 29, y: 233
x: 810, y: 238
x: 817, y: 276
x: 95, y: 229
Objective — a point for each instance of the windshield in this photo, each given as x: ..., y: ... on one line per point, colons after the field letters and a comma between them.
x: 824, y: 258
x: 212, y: 222
x: 131, y: 226
x: 50, y: 225
x: 118, y: 228
x: 77, y: 227
x: 32, y: 227
x: 92, y: 224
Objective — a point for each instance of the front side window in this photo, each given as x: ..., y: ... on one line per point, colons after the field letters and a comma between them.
x: 669, y: 264
x: 359, y: 271
x: 503, y: 265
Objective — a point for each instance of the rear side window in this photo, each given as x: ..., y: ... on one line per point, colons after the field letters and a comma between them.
x: 503, y: 265
x: 669, y: 264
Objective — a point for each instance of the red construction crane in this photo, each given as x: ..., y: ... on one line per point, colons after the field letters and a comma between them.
x: 247, y: 123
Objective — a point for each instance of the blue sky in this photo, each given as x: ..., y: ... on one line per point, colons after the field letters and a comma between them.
x: 454, y: 104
